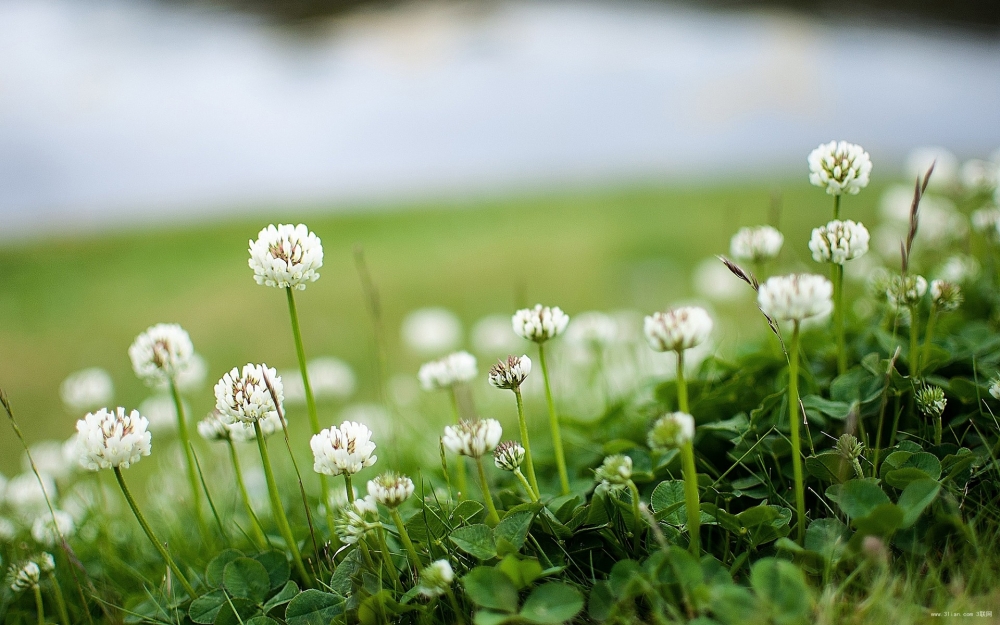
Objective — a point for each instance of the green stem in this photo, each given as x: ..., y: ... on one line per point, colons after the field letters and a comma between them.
x: 554, y: 425
x: 404, y: 537
x: 182, y: 431
x: 691, y: 500
x: 929, y: 335
x: 937, y: 431
x: 39, y: 605
x: 838, y: 317
x: 836, y: 207
x: 528, y: 463
x: 460, y: 477
x: 60, y: 599
x: 152, y: 537
x: 276, y: 508
x: 492, y: 518
x: 349, y: 487
x: 454, y: 606
x: 254, y: 521
x: 387, y: 558
x: 636, y: 523
x: 682, y: 387
x: 793, y: 423
x: 526, y: 485
x: 914, y: 352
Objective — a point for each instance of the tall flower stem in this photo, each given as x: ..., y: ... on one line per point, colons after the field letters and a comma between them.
x: 460, y: 478
x: 39, y: 604
x: 793, y: 424
x: 636, y: 522
x: 258, y: 530
x: 60, y: 599
x: 182, y: 431
x: 404, y: 537
x: 349, y: 487
x: 838, y: 316
x: 836, y: 207
x: 152, y: 537
x: 682, y: 388
x: 929, y: 335
x: 387, y: 558
x: 276, y: 508
x: 300, y: 352
x: 528, y: 463
x: 692, y: 502
x: 526, y: 485
x: 937, y: 431
x: 554, y: 425
x: 492, y: 518
x: 914, y: 334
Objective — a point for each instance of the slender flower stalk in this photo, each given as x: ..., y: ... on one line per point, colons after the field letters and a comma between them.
x: 404, y: 537
x: 47, y: 564
x: 391, y: 490
x: 793, y: 424
x: 461, y: 479
x: 510, y: 374
x: 509, y: 455
x: 387, y: 558
x: 276, y: 508
x: 676, y: 431
x: 182, y: 430
x: 945, y: 297
x: 931, y: 402
x: 492, y: 517
x: 475, y: 438
x: 447, y: 374
x: 258, y: 529
x: 554, y: 425
x: 528, y: 462
x: 39, y: 604
x: 615, y: 473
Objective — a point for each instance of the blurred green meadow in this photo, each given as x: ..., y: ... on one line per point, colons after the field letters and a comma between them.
x: 71, y: 303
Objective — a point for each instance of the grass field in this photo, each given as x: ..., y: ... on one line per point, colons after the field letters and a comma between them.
x: 71, y: 303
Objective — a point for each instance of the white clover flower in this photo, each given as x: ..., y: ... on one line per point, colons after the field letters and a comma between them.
x: 214, y: 427
x: 436, y: 579
x: 87, y: 389
x: 390, y: 489
x: 980, y: 176
x: 51, y: 459
x: 671, y: 431
x: 987, y: 222
x: 508, y: 455
x: 246, y: 433
x: 114, y: 439
x: 839, y: 241
x: 351, y: 523
x: 958, y: 269
x: 840, y: 167
x: 161, y: 412
x: 756, y: 244
x: 25, y: 495
x: 593, y: 329
x: 931, y: 401
x: 510, y: 374
x: 678, y: 328
x: 491, y: 335
x: 615, y: 472
x: 43, y: 530
x: 24, y: 577
x: 796, y: 297
x: 243, y: 396
x: 448, y: 371
x: 946, y: 167
x: 8, y: 531
x: 345, y: 449
x: 161, y: 353
x: 947, y: 296
x: 995, y: 388
x: 331, y: 377
x: 189, y: 379
x: 906, y: 292
x: 46, y: 562
x: 539, y: 324
x: 431, y: 331
x: 473, y: 438
x: 286, y: 256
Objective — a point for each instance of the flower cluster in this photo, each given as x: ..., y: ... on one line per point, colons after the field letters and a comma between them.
x: 244, y: 396
x: 286, y: 256
x: 678, y: 329
x: 795, y: 297
x: 113, y: 439
x: 616, y: 471
x: 161, y: 353
x: 840, y: 167
x: 508, y: 455
x: 48, y: 528
x: 25, y: 576
x: 906, y: 291
x: 448, y: 371
x: 436, y: 579
x: 931, y: 401
x: 351, y: 524
x: 756, y: 244
x: 87, y: 389
x: 671, y: 431
x: 946, y: 296
x: 839, y: 241
x: 472, y: 438
x: 510, y: 374
x: 390, y: 489
x: 539, y: 324
x: 345, y: 449
x: 849, y: 447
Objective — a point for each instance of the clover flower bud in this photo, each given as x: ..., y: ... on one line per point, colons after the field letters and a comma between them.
x: 114, y: 439
x: 351, y: 523
x: 46, y: 562
x: 756, y: 244
x: 436, y: 579
x: 539, y: 324
x: 87, y: 389
x: 907, y: 291
x: 510, y: 374
x: 671, y: 431
x: 840, y: 167
x: 678, y: 328
x: 850, y: 449
x: 345, y: 449
x: 161, y: 353
x: 472, y: 437
x: 796, y: 297
x: 839, y: 241
x: 508, y: 455
x: 286, y: 256
x: 244, y: 396
x: 615, y: 472
x: 390, y: 489
x: 946, y: 296
x: 215, y: 427
x: 931, y: 401
x: 24, y: 577
x: 446, y: 372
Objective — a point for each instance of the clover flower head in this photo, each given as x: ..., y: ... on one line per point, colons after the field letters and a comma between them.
x: 756, y: 243
x: 46, y: 532
x: 351, y: 523
x: 446, y: 372
x: 246, y: 433
x: 947, y: 296
x: 508, y: 455
x: 840, y: 167
x: 286, y: 256
x: 671, y: 431
x: 616, y: 471
x: 113, y: 439
x: 46, y: 562
x: 678, y: 328
x: 345, y: 449
x: 244, y: 397
x: 995, y: 387
x: 849, y: 447
x: 980, y: 176
x: 87, y: 389
x: 539, y: 324
x: 215, y: 427
x: 24, y: 577
x: 161, y: 353
x: 907, y: 291
x: 472, y: 437
x: 190, y: 378
x: 931, y: 401
x: 839, y: 241
x: 390, y: 489
x: 510, y: 374
x: 436, y: 578
x: 795, y: 297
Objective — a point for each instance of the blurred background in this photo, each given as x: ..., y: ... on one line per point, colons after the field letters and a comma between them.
x: 484, y: 155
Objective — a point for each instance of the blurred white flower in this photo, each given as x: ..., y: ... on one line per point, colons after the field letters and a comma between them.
x: 839, y: 241
x: 112, y: 439
x: 492, y: 336
x: 671, y: 431
x: 390, y: 489
x: 331, y: 377
x: 448, y: 371
x: 711, y: 279
x: 946, y: 167
x: 592, y: 329
x: 190, y: 378
x: 87, y: 389
x: 286, y: 256
x: 24, y: 576
x: 25, y: 495
x: 508, y: 455
x: 160, y: 353
x: 244, y: 432
x: 43, y: 530
x: 796, y: 297
x: 946, y: 296
x: 161, y: 412
x: 8, y: 531
x: 404, y: 389
x: 940, y: 222
x: 46, y: 562
x: 473, y: 438
x: 539, y: 324
x: 244, y: 395
x: 678, y: 328
x: 986, y: 221
x: 352, y: 522
x: 615, y: 471
x: 510, y: 374
x: 840, y: 167
x: 436, y: 579
x: 906, y: 292
x: 980, y: 176
x: 958, y: 269
x: 431, y: 331
x: 756, y: 244
x: 345, y: 449
x: 51, y: 459
x: 214, y: 427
